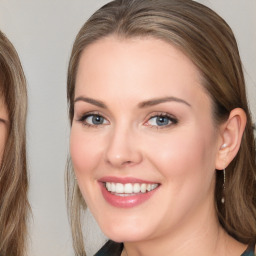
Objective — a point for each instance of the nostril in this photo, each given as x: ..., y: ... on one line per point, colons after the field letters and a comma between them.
x: 126, y: 162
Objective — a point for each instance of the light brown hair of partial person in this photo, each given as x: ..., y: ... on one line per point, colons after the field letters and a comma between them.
x: 209, y: 42
x: 14, y: 206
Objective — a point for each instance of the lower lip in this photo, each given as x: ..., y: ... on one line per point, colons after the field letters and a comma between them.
x: 125, y: 201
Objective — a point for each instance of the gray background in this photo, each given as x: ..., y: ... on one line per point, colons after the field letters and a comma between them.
x: 43, y: 32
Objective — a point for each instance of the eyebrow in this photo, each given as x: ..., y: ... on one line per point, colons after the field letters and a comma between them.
x: 97, y: 103
x: 156, y: 101
x: 143, y: 104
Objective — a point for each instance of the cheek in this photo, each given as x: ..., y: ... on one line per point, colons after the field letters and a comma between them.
x: 84, y: 151
x: 183, y: 155
x: 187, y: 167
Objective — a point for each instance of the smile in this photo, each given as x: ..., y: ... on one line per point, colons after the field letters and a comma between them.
x: 128, y: 189
x: 127, y: 192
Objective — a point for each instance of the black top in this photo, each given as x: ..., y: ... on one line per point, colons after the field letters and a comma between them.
x: 111, y: 248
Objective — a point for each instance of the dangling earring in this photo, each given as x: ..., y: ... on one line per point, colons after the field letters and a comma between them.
x: 224, y: 181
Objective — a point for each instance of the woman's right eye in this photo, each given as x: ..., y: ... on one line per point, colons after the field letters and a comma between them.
x: 93, y: 120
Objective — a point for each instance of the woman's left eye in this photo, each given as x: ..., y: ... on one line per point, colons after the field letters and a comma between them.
x: 161, y: 120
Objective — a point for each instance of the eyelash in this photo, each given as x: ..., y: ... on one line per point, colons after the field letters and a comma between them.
x: 171, y: 119
x: 84, y: 117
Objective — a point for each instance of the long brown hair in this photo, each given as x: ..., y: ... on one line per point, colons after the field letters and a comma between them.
x: 13, y: 172
x: 209, y: 42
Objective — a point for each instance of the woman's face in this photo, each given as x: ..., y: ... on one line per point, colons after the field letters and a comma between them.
x: 3, y: 125
x: 143, y: 142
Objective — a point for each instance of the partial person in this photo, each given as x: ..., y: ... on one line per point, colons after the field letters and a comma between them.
x: 162, y: 145
x: 14, y: 206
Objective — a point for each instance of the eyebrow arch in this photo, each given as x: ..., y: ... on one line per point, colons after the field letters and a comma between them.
x: 156, y: 101
x: 91, y: 101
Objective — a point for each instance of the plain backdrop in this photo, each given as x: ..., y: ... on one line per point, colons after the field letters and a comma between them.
x: 43, y: 32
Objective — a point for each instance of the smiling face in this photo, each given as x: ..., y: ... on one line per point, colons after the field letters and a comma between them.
x: 143, y: 128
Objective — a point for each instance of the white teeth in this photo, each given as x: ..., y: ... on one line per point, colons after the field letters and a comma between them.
x: 143, y: 188
x: 130, y: 188
x: 108, y: 186
x: 151, y: 186
x: 119, y: 188
x: 136, y: 188
x: 113, y: 187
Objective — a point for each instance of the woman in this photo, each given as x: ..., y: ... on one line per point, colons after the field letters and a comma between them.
x: 13, y: 173
x: 161, y: 141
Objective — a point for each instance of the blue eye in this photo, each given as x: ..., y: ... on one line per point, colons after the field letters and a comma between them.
x: 93, y: 119
x: 161, y: 120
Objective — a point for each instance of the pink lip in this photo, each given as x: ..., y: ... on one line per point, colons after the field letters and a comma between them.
x: 125, y: 201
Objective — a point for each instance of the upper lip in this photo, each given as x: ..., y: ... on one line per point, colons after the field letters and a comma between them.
x: 125, y: 180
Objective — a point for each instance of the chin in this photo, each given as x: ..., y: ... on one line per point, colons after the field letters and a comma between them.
x: 125, y: 233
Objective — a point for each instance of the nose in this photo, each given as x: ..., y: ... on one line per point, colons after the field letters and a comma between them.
x: 123, y: 148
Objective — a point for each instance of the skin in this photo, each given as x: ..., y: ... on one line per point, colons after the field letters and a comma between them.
x: 3, y: 125
x: 182, y: 156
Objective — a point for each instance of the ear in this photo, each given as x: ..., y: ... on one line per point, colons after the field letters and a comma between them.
x: 231, y: 133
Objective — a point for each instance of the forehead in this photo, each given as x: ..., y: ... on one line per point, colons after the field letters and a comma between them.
x: 138, y: 66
